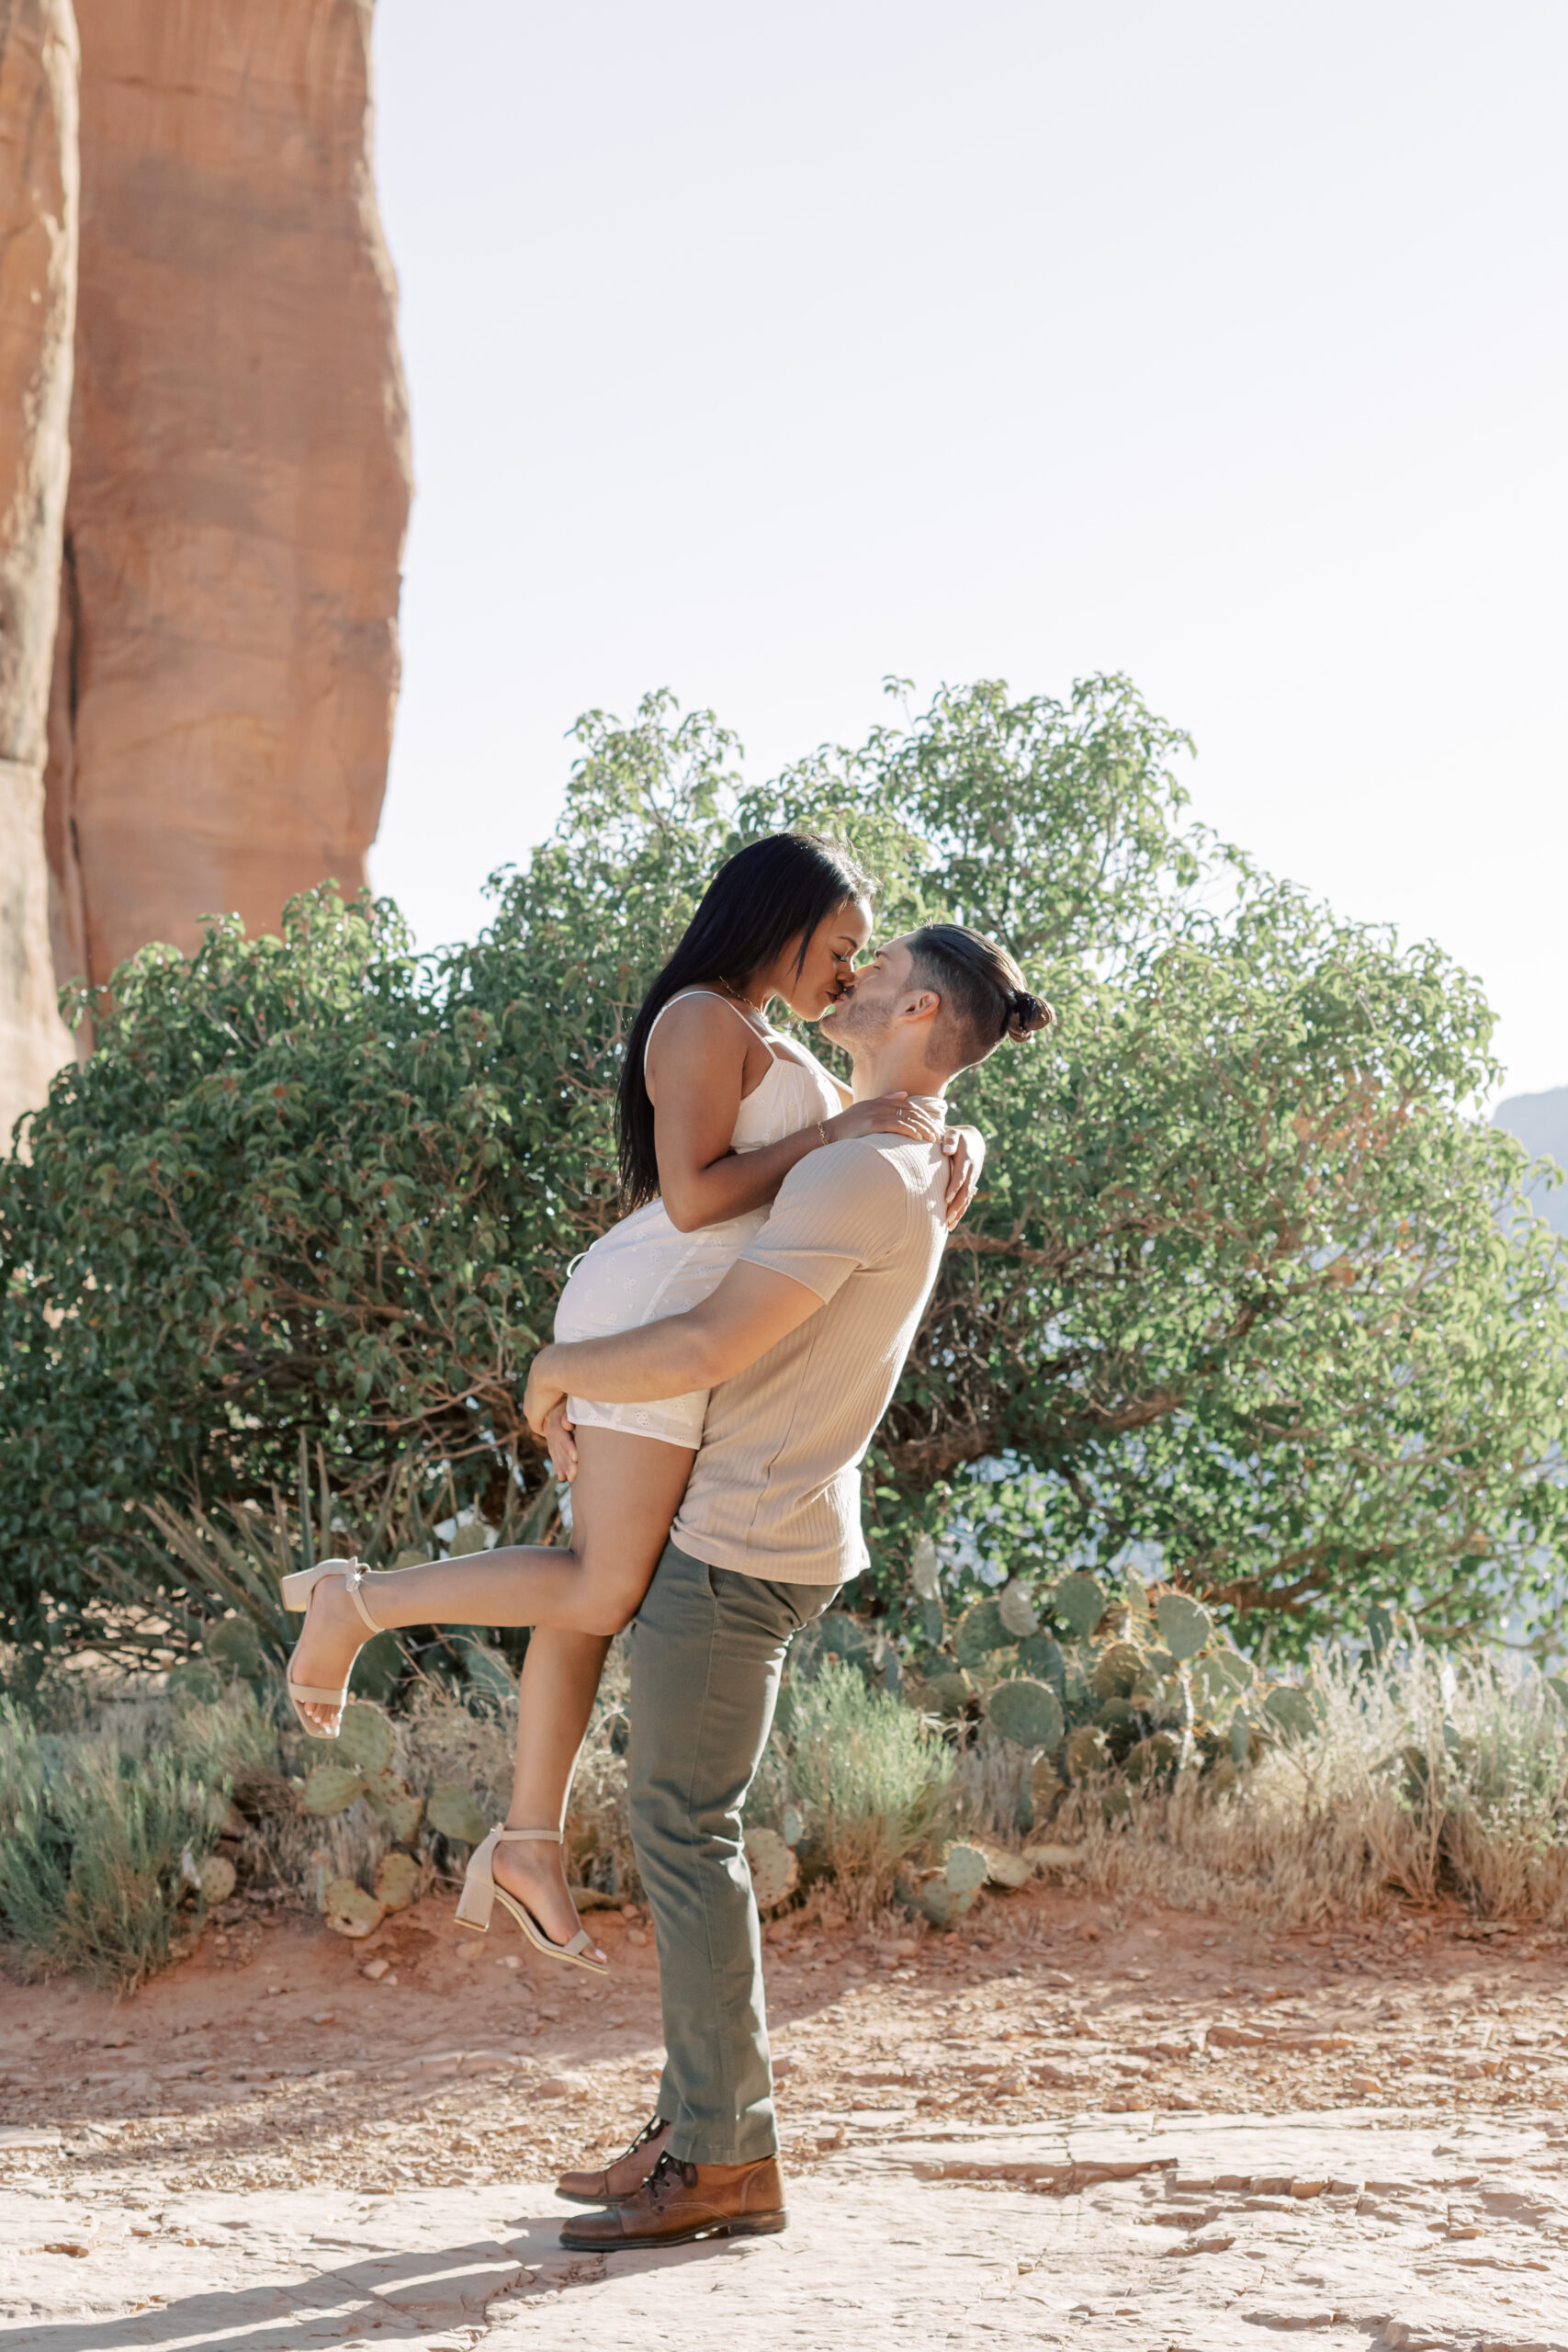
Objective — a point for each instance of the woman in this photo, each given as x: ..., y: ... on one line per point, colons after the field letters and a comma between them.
x: 714, y: 1109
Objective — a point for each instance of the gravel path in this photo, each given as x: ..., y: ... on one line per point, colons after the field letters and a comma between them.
x: 1153, y: 2133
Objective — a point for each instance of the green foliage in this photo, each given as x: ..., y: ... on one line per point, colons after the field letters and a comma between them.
x: 865, y: 1774
x: 1234, y: 1294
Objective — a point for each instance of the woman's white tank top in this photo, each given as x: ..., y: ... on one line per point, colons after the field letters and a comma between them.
x: 644, y: 1267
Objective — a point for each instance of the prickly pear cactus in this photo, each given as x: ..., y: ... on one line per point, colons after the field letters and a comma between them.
x: 965, y: 1868
x: 347, y: 1910
x: 774, y: 1870
x: 453, y: 1813
x: 216, y: 1876
x: 330, y: 1788
x: 395, y: 1802
x: 397, y: 1882
x: 1099, y: 1683
x: 365, y: 1738
x: 1027, y: 1714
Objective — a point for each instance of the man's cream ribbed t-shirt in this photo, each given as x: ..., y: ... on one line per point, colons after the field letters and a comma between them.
x: 774, y: 1490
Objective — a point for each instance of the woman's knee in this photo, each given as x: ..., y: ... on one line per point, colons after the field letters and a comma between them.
x: 612, y: 1609
x: 612, y: 1592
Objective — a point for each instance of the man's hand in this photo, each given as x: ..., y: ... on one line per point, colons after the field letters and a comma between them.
x: 546, y: 1393
x: 561, y: 1446
x: 965, y: 1151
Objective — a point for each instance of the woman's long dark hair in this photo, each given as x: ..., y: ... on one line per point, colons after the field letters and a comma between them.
x: 768, y: 894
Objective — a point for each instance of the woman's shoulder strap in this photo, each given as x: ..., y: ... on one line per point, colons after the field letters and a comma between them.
x: 683, y: 996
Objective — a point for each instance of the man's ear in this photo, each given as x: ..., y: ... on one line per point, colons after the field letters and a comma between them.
x: 924, y: 1005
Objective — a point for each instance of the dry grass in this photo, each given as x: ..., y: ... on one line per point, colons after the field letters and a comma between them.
x: 1423, y: 1778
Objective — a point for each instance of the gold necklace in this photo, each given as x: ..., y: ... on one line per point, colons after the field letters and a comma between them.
x: 736, y: 998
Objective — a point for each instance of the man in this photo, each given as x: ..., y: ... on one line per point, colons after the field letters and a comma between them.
x: 802, y: 1344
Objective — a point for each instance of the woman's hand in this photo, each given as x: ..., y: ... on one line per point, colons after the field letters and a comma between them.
x: 965, y: 1148
x: 884, y: 1115
x: 543, y: 1395
x: 561, y: 1446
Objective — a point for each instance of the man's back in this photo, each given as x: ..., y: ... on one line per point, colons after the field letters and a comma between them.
x: 775, y: 1491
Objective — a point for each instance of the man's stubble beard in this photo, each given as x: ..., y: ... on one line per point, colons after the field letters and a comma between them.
x: 851, y: 1025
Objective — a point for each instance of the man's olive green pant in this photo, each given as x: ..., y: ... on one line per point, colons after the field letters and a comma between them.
x: 705, y: 1661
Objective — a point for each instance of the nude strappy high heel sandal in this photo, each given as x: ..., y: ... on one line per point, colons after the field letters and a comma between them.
x: 480, y: 1891
x: 297, y: 1591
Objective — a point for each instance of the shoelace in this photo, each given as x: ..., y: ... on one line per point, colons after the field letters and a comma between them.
x: 651, y: 2131
x: 662, y: 2179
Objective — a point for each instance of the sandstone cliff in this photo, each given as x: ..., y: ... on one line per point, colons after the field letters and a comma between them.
x: 226, y: 660
x: 38, y: 292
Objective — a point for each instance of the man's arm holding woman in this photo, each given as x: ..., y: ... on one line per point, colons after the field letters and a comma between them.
x: 753, y: 1309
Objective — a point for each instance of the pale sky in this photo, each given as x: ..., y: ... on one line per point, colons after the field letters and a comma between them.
x: 760, y: 352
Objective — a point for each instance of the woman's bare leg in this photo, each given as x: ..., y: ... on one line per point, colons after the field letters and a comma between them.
x: 561, y: 1678
x: 560, y: 1673
x: 625, y: 1496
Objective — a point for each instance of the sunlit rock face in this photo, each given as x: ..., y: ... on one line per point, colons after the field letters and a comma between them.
x: 38, y: 295
x: 226, y: 660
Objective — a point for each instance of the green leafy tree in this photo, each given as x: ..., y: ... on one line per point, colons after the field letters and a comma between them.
x: 1234, y: 1300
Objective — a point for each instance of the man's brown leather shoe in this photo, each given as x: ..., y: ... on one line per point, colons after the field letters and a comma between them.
x: 679, y: 2202
x: 625, y: 2176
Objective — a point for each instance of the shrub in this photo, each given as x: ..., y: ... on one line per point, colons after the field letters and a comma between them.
x: 102, y: 1830
x: 1235, y: 1294
x: 866, y: 1774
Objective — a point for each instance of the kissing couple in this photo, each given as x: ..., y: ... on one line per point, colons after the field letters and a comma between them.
x: 722, y: 1358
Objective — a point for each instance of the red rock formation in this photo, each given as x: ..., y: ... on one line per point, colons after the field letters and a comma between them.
x: 226, y: 660
x: 38, y: 293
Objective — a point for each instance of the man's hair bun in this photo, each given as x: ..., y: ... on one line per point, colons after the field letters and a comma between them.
x: 1026, y: 1013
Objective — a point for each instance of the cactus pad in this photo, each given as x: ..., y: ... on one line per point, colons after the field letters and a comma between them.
x: 347, y: 1910
x: 397, y: 1882
x: 1184, y: 1625
x: 330, y: 1788
x: 1156, y: 1754
x: 1005, y: 1869
x: 1045, y: 1659
x: 487, y: 1672
x: 1083, y: 1751
x: 772, y: 1865
x: 1290, y: 1710
x: 453, y: 1813
x: 965, y: 1868
x: 951, y: 1692
x: 1116, y: 1669
x: 365, y: 1738
x: 216, y: 1875
x: 1221, y: 1678
x: 396, y: 1803
x: 1079, y: 1602
x: 1027, y: 1714
x: 980, y: 1634
x: 1016, y: 1609
x: 844, y: 1636
x: 195, y: 1680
